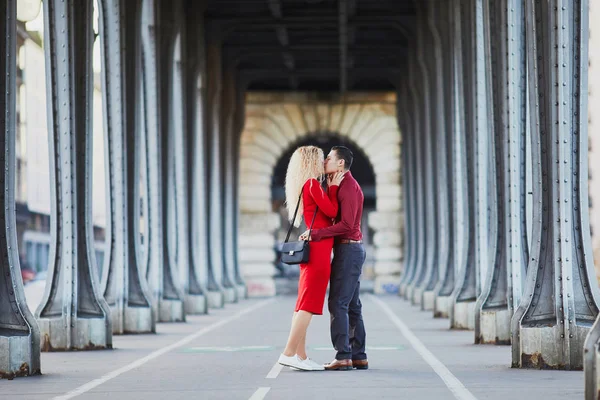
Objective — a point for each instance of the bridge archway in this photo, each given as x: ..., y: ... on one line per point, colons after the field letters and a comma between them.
x: 274, y: 124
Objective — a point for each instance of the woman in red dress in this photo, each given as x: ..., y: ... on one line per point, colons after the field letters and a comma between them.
x: 303, y: 174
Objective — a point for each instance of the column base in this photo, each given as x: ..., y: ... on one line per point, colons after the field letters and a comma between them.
x: 402, y: 290
x: 386, y: 284
x: 171, y: 311
x: 19, y: 357
x: 229, y: 295
x: 410, y: 290
x: 441, y: 308
x: 463, y: 316
x: 241, y: 292
x: 215, y: 299
x: 260, y: 287
x: 542, y: 348
x: 417, y: 297
x: 139, y: 320
x: 494, y: 327
x: 195, y: 304
x: 86, y: 334
x: 428, y: 300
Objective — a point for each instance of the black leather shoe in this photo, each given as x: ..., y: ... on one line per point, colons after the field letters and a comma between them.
x: 360, y: 364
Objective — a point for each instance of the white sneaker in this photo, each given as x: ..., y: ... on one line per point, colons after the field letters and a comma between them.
x: 313, y: 365
x: 293, y: 362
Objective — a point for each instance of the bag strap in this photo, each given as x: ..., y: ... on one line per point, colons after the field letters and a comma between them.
x: 294, y: 219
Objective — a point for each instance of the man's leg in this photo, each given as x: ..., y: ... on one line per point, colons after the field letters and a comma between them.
x: 357, y: 327
x: 344, y: 280
x: 358, y: 335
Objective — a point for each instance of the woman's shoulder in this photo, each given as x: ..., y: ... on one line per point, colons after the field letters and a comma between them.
x: 311, y: 181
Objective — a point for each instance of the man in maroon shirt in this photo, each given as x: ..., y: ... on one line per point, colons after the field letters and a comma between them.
x: 347, y: 328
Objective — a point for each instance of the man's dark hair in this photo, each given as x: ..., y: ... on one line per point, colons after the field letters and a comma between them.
x: 345, y: 154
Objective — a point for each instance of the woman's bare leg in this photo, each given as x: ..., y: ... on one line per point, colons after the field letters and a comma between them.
x: 301, y: 350
x: 300, y: 324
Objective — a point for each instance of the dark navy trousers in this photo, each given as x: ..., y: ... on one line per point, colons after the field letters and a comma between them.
x: 347, y: 327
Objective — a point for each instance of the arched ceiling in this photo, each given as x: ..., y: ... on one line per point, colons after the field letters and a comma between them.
x: 315, y: 45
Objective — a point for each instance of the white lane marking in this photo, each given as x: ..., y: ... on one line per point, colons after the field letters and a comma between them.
x: 138, y: 363
x: 456, y: 387
x: 274, y: 372
x: 260, y: 393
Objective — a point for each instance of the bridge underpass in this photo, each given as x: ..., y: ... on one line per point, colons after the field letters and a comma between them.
x: 473, y: 117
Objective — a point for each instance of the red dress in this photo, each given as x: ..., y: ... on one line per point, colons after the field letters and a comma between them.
x: 314, y: 276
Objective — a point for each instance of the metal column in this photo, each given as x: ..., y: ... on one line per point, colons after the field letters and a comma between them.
x: 161, y: 274
x: 196, y: 299
x: 408, y: 180
x: 445, y: 159
x: 502, y: 293
x: 230, y: 156
x: 238, y: 128
x: 561, y: 294
x: 462, y: 300
x: 73, y: 315
x: 419, y: 231
x: 19, y: 331
x: 123, y: 284
x: 227, y: 122
x: 437, y: 183
x: 215, y: 138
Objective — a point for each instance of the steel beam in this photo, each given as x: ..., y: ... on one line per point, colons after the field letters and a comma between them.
x: 216, y: 137
x: 445, y: 160
x: 343, y: 39
x: 168, y: 297
x: 19, y: 331
x: 123, y: 284
x: 464, y: 294
x: 73, y: 315
x: 560, y: 301
x: 503, y: 289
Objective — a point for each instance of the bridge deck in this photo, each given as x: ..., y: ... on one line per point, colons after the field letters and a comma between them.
x: 230, y: 354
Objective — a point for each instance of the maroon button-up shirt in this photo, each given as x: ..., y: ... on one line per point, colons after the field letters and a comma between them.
x: 347, y: 226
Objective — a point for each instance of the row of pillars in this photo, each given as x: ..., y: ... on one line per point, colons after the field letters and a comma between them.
x: 496, y: 91
x: 161, y: 114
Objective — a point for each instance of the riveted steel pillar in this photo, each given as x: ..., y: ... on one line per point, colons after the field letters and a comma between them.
x: 73, y: 315
x: 216, y: 138
x: 462, y: 301
x: 123, y: 284
x: 429, y: 261
x: 161, y: 274
x: 509, y: 253
x: 591, y: 355
x: 560, y: 299
x: 196, y: 301
x: 437, y: 188
x: 231, y: 135
x: 19, y: 331
x: 419, y: 167
x: 405, y: 122
x: 226, y: 126
x: 240, y: 119
x: 444, y: 156
x: 182, y: 79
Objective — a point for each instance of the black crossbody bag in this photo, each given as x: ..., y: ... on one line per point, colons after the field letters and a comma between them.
x: 297, y: 252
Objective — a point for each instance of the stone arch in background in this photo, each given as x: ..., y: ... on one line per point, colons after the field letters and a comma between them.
x: 274, y: 122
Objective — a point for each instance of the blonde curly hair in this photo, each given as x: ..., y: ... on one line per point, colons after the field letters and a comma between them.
x: 306, y: 163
